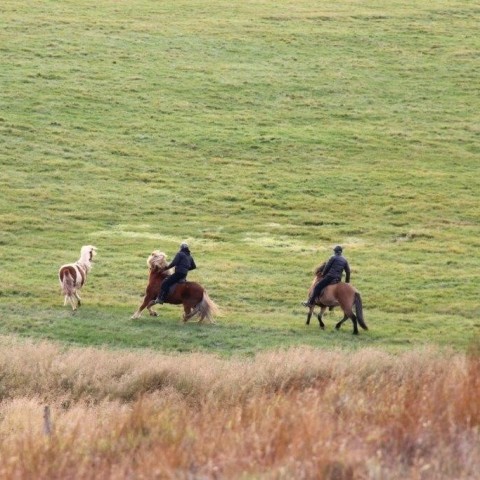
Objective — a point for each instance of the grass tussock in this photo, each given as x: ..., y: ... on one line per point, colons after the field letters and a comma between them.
x: 298, y: 413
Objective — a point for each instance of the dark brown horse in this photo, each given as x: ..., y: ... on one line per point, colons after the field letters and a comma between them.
x: 191, y: 295
x: 339, y: 294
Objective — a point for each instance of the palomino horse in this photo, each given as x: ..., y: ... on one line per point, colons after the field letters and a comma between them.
x: 338, y: 294
x: 72, y: 276
x: 191, y: 295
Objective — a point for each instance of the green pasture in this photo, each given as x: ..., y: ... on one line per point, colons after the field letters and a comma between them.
x: 261, y: 132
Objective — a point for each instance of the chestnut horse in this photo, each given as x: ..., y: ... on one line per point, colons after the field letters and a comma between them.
x: 191, y: 295
x: 338, y: 294
x: 73, y: 276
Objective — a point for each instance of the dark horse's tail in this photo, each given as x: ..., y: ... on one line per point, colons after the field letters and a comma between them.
x: 359, y: 311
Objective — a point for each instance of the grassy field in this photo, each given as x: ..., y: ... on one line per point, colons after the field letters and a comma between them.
x: 263, y: 133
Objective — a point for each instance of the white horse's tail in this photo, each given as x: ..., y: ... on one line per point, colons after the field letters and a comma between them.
x: 207, y: 308
x: 68, y: 284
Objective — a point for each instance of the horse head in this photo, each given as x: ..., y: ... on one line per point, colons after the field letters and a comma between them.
x: 157, y: 261
x: 87, y: 252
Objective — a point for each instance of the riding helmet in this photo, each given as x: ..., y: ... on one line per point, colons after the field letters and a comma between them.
x: 338, y: 249
x: 184, y: 246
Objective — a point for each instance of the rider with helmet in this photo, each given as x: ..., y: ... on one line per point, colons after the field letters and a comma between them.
x: 183, y: 263
x: 332, y: 273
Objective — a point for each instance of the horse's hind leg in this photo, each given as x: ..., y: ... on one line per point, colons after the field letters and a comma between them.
x: 79, y: 300
x: 355, y: 323
x: 187, y: 312
x: 73, y: 303
x: 348, y: 313
x: 347, y: 307
x: 341, y: 322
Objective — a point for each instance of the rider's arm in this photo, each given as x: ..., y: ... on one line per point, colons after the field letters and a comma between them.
x: 347, y: 272
x: 192, y: 264
x: 327, y: 267
x: 172, y: 263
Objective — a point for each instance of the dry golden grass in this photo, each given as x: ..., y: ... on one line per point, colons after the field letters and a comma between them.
x: 299, y: 413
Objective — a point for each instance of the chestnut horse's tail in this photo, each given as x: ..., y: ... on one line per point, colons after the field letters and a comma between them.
x: 207, y: 308
x: 359, y: 311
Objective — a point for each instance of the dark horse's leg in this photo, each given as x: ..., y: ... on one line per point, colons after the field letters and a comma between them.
x: 341, y: 322
x: 355, y: 323
x: 319, y: 316
x: 346, y: 302
x: 349, y: 314
x: 309, y: 314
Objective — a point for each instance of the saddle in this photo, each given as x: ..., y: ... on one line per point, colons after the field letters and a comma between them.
x: 171, y: 290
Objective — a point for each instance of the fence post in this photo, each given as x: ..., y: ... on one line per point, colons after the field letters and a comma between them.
x: 47, y: 421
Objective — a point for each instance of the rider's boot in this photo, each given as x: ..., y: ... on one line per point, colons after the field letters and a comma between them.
x: 161, y: 297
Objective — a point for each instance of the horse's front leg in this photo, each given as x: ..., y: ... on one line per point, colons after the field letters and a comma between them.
x: 319, y: 316
x: 147, y: 302
x: 309, y: 315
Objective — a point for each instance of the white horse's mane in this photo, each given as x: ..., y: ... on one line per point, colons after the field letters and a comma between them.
x: 87, y: 252
x: 157, y: 260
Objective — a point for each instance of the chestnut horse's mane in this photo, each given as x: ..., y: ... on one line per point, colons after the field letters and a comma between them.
x: 157, y: 261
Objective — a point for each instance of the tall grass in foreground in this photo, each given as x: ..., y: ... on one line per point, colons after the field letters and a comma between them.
x: 297, y: 414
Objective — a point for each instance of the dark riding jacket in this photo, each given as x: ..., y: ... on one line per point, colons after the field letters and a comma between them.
x: 183, y: 262
x: 335, y: 267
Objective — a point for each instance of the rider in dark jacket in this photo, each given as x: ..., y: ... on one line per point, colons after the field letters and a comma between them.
x: 183, y: 263
x: 332, y: 273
